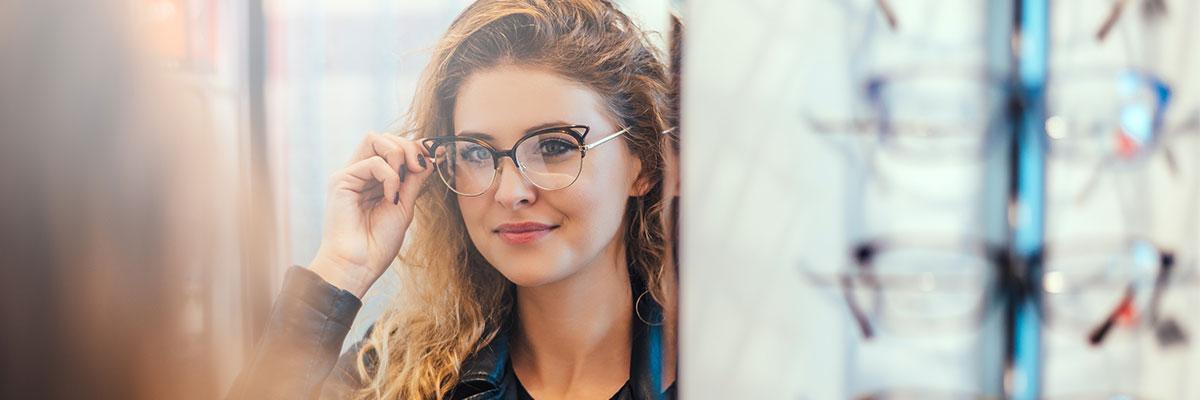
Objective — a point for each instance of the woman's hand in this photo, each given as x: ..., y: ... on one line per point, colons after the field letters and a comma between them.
x: 370, y: 205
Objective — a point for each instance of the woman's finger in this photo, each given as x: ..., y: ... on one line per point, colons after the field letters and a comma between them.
x: 381, y: 145
x: 362, y: 175
x: 398, y: 160
x: 417, y: 160
x: 413, y: 153
x: 411, y: 188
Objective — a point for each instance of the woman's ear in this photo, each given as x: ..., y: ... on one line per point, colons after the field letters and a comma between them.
x: 642, y: 184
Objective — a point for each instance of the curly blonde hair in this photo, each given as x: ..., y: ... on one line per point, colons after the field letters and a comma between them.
x: 455, y: 303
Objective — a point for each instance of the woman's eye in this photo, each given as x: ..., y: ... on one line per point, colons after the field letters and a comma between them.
x: 554, y: 147
x: 474, y: 153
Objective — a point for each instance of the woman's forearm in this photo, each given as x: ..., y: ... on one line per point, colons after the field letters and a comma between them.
x: 300, y: 346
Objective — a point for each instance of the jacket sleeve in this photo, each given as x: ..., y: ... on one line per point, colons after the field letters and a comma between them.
x: 308, y: 323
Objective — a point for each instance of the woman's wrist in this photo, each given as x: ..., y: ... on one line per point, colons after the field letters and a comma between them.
x: 342, y: 274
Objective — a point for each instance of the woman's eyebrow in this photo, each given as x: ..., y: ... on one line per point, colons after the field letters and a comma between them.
x: 490, y: 138
x: 551, y: 124
x: 477, y: 135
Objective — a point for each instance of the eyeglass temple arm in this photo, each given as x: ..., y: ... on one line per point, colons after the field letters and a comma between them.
x: 1113, y: 16
x: 860, y: 318
x: 605, y: 139
x: 1167, y: 331
x: 1160, y: 283
x: 1150, y: 8
x: 888, y: 14
x: 862, y: 257
x: 1166, y: 264
x: 1096, y: 337
x: 1169, y: 155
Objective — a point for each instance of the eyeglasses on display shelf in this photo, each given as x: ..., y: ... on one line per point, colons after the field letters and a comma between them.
x: 1092, y: 289
x: 944, y: 113
x: 1109, y: 120
x: 929, y: 123
x: 903, y: 286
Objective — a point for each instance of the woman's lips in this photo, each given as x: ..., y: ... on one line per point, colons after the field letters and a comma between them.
x: 523, y: 232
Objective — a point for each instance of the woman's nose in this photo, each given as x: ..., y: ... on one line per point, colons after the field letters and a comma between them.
x: 513, y: 191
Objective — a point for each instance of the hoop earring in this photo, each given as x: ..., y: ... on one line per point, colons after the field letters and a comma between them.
x: 637, y: 309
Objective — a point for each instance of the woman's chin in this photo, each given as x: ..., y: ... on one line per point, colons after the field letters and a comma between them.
x: 532, y: 274
x: 530, y: 265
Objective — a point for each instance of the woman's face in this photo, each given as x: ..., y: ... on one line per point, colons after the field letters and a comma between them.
x: 534, y: 236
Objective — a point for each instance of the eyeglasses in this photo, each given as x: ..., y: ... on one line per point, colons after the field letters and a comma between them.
x: 919, y: 113
x: 912, y: 287
x: 926, y: 123
x: 1106, y: 118
x: 1092, y: 289
x: 1101, y: 113
x: 550, y: 158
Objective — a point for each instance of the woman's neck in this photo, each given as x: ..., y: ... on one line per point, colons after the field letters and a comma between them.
x: 574, y: 335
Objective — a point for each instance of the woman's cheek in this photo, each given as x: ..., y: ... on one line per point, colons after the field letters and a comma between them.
x: 597, y: 208
x: 473, y: 209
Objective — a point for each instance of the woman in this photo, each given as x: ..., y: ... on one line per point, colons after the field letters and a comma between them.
x: 537, y: 256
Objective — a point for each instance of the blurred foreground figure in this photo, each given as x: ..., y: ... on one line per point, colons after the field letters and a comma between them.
x: 100, y: 167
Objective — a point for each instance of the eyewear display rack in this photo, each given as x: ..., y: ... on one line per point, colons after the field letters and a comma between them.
x: 1027, y: 199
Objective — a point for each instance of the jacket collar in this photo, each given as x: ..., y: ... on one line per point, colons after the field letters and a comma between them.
x: 487, y: 370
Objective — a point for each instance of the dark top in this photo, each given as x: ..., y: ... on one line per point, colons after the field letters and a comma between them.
x: 297, y: 357
x: 522, y: 394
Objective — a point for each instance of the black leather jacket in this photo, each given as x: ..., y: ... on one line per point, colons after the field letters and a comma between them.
x: 298, y: 355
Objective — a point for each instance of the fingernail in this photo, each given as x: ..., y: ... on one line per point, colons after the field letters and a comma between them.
x: 403, y: 173
x: 396, y: 198
x: 421, y: 160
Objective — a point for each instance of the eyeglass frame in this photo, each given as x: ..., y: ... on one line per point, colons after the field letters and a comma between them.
x: 431, y: 145
x: 1166, y: 330
x: 880, y: 125
x: 863, y: 253
x: 1162, y: 92
x: 861, y: 264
